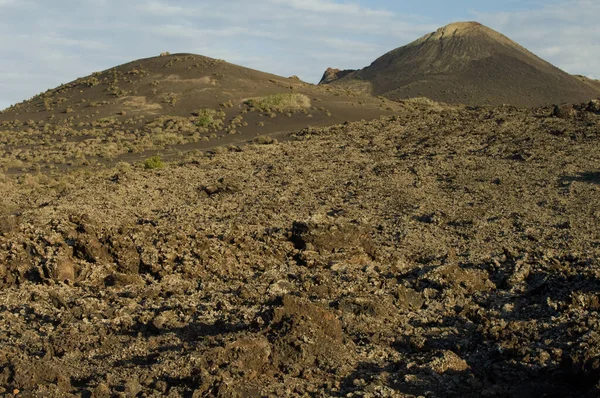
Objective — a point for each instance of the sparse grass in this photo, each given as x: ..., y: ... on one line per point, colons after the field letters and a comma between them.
x: 237, y: 122
x: 96, y: 104
x: 420, y: 101
x: 118, y: 92
x: 121, y: 93
x: 175, y: 60
x: 105, y: 120
x: 285, y: 102
x: 138, y: 72
x: 154, y: 162
x: 163, y: 139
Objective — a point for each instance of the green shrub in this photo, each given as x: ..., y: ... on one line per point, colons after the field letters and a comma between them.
x: 154, y: 162
x: 287, y: 102
x: 204, y: 121
x: 209, y: 118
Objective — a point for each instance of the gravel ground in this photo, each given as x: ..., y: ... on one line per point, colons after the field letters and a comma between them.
x: 445, y: 251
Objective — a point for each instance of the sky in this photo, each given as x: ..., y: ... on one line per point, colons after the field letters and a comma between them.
x: 46, y: 43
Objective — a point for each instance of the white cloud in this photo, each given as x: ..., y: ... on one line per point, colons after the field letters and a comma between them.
x: 566, y: 33
x: 53, y: 40
x: 345, y: 44
x: 320, y: 6
x: 183, y: 31
x: 287, y: 37
x: 162, y: 9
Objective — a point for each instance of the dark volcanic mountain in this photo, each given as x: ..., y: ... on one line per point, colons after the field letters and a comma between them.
x: 178, y: 85
x: 171, y: 103
x: 468, y: 63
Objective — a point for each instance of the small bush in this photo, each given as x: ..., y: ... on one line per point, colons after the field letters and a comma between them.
x: 209, y: 118
x: 264, y: 140
x: 154, y: 162
x: 123, y: 167
x: 170, y: 98
x: 280, y: 102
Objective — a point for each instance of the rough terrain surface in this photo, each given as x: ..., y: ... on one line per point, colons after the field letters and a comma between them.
x: 444, y: 251
x: 467, y: 63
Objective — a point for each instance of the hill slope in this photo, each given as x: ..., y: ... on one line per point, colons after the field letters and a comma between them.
x: 595, y: 84
x: 177, y: 85
x: 468, y: 63
x: 173, y: 102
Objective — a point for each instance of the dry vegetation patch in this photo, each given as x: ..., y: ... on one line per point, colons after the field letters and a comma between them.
x: 286, y: 102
